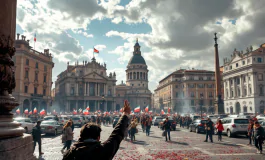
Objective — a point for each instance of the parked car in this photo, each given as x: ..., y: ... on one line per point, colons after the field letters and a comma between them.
x: 49, y: 118
x: 51, y: 127
x: 87, y: 118
x: 115, y: 121
x: 78, y: 121
x: 194, y: 117
x: 26, y: 123
x: 198, y: 126
x: 235, y: 126
x: 156, y: 120
x: 63, y: 119
x: 173, y: 124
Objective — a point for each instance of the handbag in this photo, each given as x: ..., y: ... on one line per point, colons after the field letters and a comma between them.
x: 164, y: 133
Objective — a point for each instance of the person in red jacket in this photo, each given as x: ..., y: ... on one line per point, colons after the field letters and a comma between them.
x: 220, y: 129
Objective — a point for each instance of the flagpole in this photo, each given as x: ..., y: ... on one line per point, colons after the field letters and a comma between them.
x: 93, y: 51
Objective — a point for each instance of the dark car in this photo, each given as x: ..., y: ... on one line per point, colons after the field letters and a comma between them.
x: 115, y: 121
x: 198, y: 126
x: 172, y: 127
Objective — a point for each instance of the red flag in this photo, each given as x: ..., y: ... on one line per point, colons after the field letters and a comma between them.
x: 168, y: 110
x: 146, y: 109
x: 96, y: 51
x: 35, y: 39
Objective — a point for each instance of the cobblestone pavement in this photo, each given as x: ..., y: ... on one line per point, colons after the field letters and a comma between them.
x: 185, y: 145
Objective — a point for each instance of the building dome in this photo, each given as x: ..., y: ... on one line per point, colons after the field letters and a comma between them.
x: 137, y: 59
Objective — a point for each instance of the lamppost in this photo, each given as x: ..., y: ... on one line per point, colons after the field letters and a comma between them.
x: 201, y: 98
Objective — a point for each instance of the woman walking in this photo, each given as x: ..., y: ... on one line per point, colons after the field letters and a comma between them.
x: 69, y: 135
x: 220, y: 129
x: 259, y: 136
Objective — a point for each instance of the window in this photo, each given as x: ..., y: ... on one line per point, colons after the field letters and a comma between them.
x: 259, y: 60
x: 27, y: 62
x: 210, y: 85
x: 230, y: 67
x: 236, y: 64
x: 249, y: 78
x: 238, y: 92
x: 210, y: 94
x: 200, y: 78
x: 211, y: 102
x: 109, y: 92
x: 243, y: 62
x: 35, y: 90
x: 200, y: 86
x: 119, y: 95
x: 250, y: 91
x: 36, y: 76
x: 244, y: 79
x: 27, y: 74
x: 26, y: 89
x: 238, y: 81
x: 72, y: 91
x: 177, y: 94
x: 45, y: 68
x: 245, y: 91
x: 139, y: 84
x: 191, y: 94
x: 261, y: 92
x: 192, y: 102
x: 191, y: 85
x: 44, y: 92
x: 232, y: 93
x: 37, y: 65
x: 208, y: 78
x: 44, y: 79
x: 132, y: 84
x: 176, y: 86
x: 191, y: 78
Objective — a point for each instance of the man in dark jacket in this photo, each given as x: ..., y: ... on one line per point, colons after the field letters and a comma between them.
x: 167, y: 126
x: 36, y: 134
x: 89, y: 146
x: 209, y: 130
x: 259, y: 137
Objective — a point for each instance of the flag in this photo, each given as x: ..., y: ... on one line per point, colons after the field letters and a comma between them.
x: 30, y: 112
x: 168, y: 110
x: 42, y: 112
x: 146, y: 108
x: 35, y: 110
x: 18, y: 111
x: 85, y: 112
x: 96, y: 51
x: 137, y: 109
x: 121, y: 109
x: 87, y: 108
x: 35, y: 39
x: 26, y: 111
x: 162, y: 111
x: 74, y: 111
x: 80, y: 110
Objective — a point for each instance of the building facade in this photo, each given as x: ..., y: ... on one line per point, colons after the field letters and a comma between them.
x: 86, y: 84
x: 33, y: 73
x: 244, y: 81
x: 135, y: 90
x: 185, y: 91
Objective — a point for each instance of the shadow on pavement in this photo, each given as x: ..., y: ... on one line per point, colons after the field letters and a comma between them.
x: 180, y: 143
x: 155, y: 137
x: 140, y: 142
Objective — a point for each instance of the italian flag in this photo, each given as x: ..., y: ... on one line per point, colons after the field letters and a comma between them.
x: 74, y: 111
x: 85, y: 112
x: 162, y: 111
x: 35, y: 110
x: 146, y: 108
x: 26, y: 111
x: 87, y: 108
x: 137, y: 109
x: 80, y: 110
x: 18, y: 111
x: 42, y: 112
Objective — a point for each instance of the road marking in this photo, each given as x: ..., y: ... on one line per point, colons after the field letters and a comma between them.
x: 237, y: 154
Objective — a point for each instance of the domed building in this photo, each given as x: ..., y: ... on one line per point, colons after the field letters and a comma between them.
x: 136, y: 88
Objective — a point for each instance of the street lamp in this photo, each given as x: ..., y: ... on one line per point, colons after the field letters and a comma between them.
x: 201, y: 98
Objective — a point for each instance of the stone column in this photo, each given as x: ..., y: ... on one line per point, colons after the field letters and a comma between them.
x: 85, y: 89
x: 88, y: 93
x: 95, y: 89
x: 14, y: 145
x: 76, y: 105
x: 105, y: 105
x: 241, y: 86
x: 67, y: 109
x: 247, y: 85
x: 76, y: 93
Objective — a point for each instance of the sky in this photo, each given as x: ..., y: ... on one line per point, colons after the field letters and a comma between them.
x: 173, y: 34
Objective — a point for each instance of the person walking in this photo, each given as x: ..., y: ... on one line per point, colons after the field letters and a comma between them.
x: 36, y: 134
x: 69, y: 136
x: 166, y: 127
x: 259, y: 137
x: 148, y: 126
x: 209, y: 130
x: 250, y: 131
x: 220, y: 129
x: 89, y: 145
x: 72, y: 125
x: 133, y: 129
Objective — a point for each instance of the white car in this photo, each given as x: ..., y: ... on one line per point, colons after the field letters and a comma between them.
x: 63, y: 119
x: 235, y: 126
x: 78, y: 121
x: 26, y: 123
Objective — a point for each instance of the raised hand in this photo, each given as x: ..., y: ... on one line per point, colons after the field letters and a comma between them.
x: 126, y: 108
